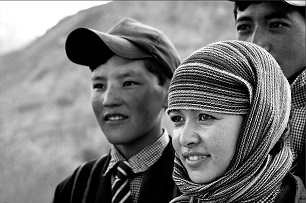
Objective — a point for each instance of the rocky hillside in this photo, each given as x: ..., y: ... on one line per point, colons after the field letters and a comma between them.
x: 47, y: 127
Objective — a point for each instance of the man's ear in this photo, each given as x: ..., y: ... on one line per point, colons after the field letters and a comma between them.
x: 166, y: 88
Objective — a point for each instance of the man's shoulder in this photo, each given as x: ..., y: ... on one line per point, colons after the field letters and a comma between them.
x: 79, y: 179
x: 166, y: 161
x: 293, y: 190
x: 86, y: 168
x: 98, y: 162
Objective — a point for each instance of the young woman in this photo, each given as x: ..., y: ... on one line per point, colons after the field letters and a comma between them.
x: 230, y: 105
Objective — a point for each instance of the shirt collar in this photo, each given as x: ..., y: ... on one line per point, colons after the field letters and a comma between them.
x: 298, y: 90
x: 144, y: 159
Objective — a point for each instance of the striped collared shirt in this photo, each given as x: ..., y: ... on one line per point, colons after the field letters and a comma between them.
x: 140, y: 163
x: 298, y: 115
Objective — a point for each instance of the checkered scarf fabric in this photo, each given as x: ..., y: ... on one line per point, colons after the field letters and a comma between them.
x: 241, y: 78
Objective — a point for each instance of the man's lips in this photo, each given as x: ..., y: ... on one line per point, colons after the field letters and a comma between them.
x: 114, y: 117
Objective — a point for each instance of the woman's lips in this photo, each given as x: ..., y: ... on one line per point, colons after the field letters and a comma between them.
x: 195, y: 159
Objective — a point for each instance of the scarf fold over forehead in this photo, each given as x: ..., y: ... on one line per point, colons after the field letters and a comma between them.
x: 237, y: 77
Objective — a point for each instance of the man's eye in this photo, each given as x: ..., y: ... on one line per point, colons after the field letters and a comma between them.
x: 129, y: 83
x: 276, y: 25
x: 243, y: 27
x: 205, y: 117
x: 98, y: 86
x: 176, y: 119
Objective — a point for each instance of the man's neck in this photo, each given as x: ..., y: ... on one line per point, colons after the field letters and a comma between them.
x: 293, y: 77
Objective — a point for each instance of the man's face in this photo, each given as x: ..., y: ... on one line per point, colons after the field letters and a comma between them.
x: 278, y: 29
x: 128, y: 103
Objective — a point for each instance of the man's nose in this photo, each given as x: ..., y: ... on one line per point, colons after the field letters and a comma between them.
x: 111, y: 97
x: 259, y: 37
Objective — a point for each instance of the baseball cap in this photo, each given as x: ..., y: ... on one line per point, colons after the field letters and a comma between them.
x: 293, y: 3
x: 128, y: 39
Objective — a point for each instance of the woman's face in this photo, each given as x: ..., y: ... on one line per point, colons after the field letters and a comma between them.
x: 205, y: 142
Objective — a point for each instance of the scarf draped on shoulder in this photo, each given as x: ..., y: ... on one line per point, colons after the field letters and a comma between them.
x: 212, y: 78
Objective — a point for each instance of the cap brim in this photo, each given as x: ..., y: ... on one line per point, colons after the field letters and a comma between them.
x: 295, y: 3
x: 90, y: 47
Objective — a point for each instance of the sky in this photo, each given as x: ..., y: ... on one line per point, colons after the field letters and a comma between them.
x: 23, y: 21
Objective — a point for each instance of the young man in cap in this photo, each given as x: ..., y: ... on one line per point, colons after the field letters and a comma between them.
x: 279, y: 27
x: 132, y: 65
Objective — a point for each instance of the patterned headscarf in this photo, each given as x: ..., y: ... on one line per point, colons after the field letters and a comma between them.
x: 239, y: 78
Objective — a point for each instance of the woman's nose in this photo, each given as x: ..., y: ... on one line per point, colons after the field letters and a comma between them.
x: 189, y: 135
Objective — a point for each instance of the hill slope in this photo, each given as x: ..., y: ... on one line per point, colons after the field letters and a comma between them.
x: 46, y: 123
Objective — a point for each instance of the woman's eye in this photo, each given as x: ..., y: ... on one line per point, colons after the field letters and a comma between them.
x: 205, y: 117
x: 129, y: 83
x: 176, y: 119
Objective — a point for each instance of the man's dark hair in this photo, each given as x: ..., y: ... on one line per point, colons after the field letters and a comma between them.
x: 158, y: 69
x: 242, y: 5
